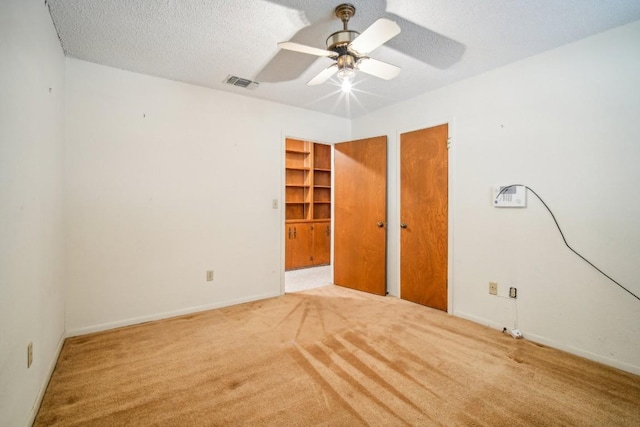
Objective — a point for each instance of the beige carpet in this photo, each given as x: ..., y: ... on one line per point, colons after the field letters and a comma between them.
x: 328, y: 357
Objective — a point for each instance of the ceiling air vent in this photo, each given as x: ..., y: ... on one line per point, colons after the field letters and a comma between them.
x: 240, y: 82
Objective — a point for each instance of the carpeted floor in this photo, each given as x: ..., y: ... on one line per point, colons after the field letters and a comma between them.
x: 328, y: 357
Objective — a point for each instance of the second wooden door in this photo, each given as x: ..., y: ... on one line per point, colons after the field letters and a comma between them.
x: 424, y: 216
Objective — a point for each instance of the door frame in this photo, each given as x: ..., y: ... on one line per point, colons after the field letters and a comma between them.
x: 450, y: 121
x: 282, y: 201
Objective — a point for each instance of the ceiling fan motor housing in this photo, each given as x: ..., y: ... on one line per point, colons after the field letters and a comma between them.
x: 339, y: 40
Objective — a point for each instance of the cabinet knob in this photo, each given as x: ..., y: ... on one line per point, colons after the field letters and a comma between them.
x: 380, y: 224
x: 403, y: 225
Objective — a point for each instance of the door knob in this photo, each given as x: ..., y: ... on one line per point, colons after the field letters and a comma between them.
x: 380, y: 224
x: 403, y: 225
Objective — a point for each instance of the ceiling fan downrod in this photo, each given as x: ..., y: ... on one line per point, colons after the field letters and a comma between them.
x: 339, y: 40
x: 344, y: 12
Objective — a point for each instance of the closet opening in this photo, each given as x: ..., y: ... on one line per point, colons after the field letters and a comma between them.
x: 308, y: 223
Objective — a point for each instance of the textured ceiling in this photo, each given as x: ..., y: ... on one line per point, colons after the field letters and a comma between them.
x: 442, y: 41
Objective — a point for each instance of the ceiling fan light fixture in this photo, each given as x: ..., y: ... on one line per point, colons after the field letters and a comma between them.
x: 346, y: 67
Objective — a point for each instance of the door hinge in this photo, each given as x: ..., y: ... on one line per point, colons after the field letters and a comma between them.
x: 448, y: 142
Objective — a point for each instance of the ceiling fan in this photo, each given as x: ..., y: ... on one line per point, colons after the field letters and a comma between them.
x: 350, y: 49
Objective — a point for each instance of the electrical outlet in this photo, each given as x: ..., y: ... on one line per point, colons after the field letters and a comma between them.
x: 209, y: 275
x: 493, y: 288
x: 274, y: 204
x: 29, y: 354
x: 513, y: 292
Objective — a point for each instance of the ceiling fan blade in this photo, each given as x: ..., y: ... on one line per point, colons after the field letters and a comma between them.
x: 296, y: 47
x: 324, y: 75
x: 378, y: 69
x: 375, y: 36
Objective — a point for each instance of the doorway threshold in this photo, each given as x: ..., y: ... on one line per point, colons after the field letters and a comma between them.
x: 307, y: 278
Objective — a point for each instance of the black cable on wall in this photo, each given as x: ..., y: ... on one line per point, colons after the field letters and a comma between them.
x: 503, y: 189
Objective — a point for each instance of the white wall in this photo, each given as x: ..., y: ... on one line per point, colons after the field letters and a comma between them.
x: 31, y: 181
x: 566, y: 124
x: 165, y: 181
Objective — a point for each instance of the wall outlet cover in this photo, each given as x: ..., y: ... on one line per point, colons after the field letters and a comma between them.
x: 493, y: 288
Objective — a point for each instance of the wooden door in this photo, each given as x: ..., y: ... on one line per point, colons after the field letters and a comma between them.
x: 298, y: 246
x: 424, y: 216
x: 321, y: 243
x: 360, y: 215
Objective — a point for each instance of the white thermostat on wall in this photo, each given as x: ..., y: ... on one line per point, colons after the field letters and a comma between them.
x: 509, y: 196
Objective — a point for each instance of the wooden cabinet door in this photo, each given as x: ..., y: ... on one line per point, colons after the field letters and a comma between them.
x: 423, y: 216
x: 298, y: 246
x: 288, y: 247
x: 360, y: 215
x: 321, y: 243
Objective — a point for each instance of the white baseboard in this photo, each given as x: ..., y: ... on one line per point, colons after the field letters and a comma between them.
x: 557, y: 345
x: 165, y: 315
x: 43, y: 388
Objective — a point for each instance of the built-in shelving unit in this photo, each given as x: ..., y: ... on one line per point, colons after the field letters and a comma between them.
x: 308, y: 203
x: 321, y: 181
x: 298, y: 180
